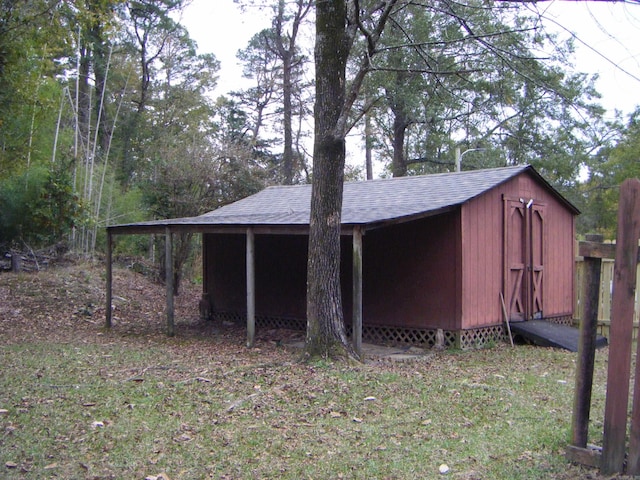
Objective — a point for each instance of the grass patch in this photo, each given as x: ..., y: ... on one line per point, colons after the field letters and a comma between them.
x: 122, y: 411
x: 79, y: 402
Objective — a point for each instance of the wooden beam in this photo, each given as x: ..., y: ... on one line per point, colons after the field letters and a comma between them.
x: 586, y: 352
x: 357, y: 291
x: 621, y: 329
x: 168, y: 261
x: 599, y: 250
x: 633, y: 461
x: 109, y: 261
x: 251, y: 286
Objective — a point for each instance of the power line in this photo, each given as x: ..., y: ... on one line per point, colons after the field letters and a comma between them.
x: 586, y: 44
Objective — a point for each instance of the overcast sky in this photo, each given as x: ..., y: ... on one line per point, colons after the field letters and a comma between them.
x: 608, y: 41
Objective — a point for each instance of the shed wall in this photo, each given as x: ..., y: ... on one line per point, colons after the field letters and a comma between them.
x: 225, y: 272
x: 482, y: 252
x: 481, y: 232
x: 411, y: 274
x: 280, y: 274
x: 559, y: 237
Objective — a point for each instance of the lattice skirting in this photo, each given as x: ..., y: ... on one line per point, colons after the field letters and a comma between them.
x: 262, y: 321
x: 562, y: 320
x: 463, y: 339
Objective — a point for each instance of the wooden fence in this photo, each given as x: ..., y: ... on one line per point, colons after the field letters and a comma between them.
x: 604, y: 304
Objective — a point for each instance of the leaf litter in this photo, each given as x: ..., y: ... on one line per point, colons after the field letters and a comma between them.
x: 132, y: 402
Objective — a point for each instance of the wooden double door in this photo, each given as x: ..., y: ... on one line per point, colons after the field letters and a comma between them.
x: 524, y: 247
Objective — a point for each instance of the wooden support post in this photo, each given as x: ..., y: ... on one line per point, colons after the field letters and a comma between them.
x: 168, y: 261
x: 16, y: 261
x: 251, y: 285
x: 357, y: 291
x: 621, y: 329
x: 205, y: 303
x: 586, y: 348
x: 633, y: 461
x: 109, y: 260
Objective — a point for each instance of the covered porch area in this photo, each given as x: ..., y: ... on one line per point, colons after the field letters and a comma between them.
x: 198, y: 225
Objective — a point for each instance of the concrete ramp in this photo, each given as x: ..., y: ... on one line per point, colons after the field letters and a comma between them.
x: 547, y: 334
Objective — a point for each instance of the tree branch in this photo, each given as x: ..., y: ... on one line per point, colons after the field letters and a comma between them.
x: 341, y: 128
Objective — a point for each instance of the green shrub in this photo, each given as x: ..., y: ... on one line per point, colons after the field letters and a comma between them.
x: 37, y: 207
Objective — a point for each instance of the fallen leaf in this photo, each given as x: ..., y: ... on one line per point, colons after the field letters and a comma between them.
x: 11, y: 465
x: 335, y: 414
x: 182, y: 438
x: 160, y: 476
x: 50, y: 466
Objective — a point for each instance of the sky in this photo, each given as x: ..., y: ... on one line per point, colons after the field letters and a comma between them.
x: 607, y: 41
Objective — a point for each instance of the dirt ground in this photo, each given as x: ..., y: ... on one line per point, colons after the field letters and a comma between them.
x: 66, y: 303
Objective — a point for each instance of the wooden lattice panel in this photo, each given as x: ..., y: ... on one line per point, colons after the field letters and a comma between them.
x: 450, y: 338
x: 397, y: 335
x: 564, y: 320
x: 281, y: 322
x: 231, y: 317
x: 481, y: 337
x: 465, y: 339
x: 262, y: 321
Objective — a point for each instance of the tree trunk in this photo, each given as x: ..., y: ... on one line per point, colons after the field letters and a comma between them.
x: 399, y: 165
x: 84, y: 103
x: 326, y: 334
x: 368, y: 145
x: 287, y: 88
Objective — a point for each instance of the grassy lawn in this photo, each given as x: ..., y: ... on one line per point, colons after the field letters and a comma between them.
x: 80, y: 402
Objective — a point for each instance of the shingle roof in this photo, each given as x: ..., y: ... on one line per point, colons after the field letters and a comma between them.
x: 364, y: 203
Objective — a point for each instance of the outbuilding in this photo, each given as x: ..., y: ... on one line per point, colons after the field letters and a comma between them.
x: 446, y: 255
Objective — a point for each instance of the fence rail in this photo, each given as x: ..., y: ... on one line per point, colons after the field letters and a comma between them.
x: 604, y: 304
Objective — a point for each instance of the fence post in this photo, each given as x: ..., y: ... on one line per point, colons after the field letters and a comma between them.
x: 633, y: 461
x: 621, y: 331
x: 587, y: 341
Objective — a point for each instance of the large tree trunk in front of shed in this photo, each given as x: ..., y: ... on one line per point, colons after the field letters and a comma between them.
x: 326, y: 334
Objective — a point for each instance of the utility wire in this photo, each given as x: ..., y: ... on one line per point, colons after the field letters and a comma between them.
x: 587, y: 45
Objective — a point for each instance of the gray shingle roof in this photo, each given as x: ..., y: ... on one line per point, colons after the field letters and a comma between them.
x: 364, y: 203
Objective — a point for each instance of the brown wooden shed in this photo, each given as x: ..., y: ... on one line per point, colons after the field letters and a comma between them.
x: 437, y: 253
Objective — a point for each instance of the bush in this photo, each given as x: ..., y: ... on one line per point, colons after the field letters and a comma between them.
x: 37, y: 207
